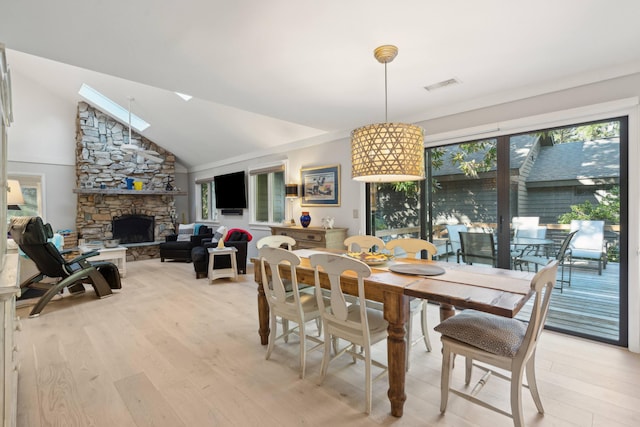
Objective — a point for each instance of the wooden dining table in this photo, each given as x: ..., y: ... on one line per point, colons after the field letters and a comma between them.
x: 492, y: 290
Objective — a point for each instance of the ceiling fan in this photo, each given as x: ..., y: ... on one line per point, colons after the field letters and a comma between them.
x: 150, y: 155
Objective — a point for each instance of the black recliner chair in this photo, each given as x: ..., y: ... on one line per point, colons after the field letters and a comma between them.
x: 32, y: 236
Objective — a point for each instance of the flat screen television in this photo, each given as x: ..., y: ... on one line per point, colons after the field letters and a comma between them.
x: 230, y: 191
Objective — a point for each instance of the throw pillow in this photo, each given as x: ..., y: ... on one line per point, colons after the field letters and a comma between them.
x: 185, y: 231
x: 494, y: 334
x: 220, y: 231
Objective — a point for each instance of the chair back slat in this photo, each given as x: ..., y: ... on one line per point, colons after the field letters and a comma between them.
x: 275, y: 290
x: 412, y: 247
x: 364, y: 243
x: 335, y: 266
x: 277, y: 241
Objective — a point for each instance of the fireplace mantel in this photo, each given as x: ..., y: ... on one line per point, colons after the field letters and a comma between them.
x: 108, y: 191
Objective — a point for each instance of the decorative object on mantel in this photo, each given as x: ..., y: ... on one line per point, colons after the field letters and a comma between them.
x: 320, y: 186
x: 129, y: 182
x: 387, y: 152
x: 327, y: 222
x: 305, y: 219
x: 291, y: 193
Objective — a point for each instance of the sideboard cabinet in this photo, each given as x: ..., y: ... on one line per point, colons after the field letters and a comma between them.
x: 313, y: 237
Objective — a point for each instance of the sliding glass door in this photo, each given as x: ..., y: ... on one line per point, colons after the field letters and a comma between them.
x: 527, y: 194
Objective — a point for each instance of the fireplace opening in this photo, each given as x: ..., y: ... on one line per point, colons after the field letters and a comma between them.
x: 133, y: 228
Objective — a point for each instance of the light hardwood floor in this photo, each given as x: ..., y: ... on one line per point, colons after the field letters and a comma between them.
x: 170, y: 350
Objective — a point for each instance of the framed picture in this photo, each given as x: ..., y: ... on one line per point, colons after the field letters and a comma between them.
x: 320, y: 186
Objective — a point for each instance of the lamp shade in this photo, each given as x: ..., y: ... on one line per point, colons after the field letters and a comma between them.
x: 387, y: 152
x: 291, y: 190
x: 14, y: 193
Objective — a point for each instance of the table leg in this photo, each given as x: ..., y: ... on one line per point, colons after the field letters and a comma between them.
x: 446, y: 311
x: 263, y: 307
x: 396, y: 312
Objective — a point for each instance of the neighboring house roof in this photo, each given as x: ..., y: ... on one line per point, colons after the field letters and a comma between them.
x: 520, y: 148
x: 589, y: 162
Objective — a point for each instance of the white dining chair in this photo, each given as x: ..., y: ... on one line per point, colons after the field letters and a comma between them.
x: 292, y: 306
x: 355, y: 323
x: 276, y: 241
x: 364, y: 243
x: 508, y: 344
x: 412, y: 247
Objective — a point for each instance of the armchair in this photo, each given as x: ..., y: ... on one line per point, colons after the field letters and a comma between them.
x: 237, y: 238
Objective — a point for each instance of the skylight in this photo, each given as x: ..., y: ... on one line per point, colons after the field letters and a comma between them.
x: 184, y: 96
x: 111, y: 107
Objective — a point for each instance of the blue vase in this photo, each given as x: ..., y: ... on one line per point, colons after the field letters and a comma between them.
x: 305, y: 219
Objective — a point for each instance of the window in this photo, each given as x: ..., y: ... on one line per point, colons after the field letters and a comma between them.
x: 267, y: 194
x: 31, y: 186
x: 206, y: 202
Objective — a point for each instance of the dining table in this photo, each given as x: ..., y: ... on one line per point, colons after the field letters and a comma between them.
x: 492, y: 290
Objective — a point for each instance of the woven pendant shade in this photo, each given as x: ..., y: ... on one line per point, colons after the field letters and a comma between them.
x: 387, y: 152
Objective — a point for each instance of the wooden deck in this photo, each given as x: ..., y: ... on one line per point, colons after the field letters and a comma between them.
x: 590, y: 306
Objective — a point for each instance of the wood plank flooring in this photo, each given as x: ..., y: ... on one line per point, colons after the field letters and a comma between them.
x: 170, y: 350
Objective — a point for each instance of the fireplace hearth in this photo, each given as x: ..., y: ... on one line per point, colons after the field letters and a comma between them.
x: 133, y: 228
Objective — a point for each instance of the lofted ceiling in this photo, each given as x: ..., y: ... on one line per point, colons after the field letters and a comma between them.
x: 268, y: 75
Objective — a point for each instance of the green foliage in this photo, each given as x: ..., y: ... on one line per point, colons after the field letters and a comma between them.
x: 608, y: 209
x: 583, y: 133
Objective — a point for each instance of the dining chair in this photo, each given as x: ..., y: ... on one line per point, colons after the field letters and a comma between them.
x: 364, y: 243
x: 294, y: 306
x: 477, y: 248
x: 412, y: 247
x: 504, y: 343
x: 453, y: 232
x: 563, y: 256
x: 277, y: 241
x: 356, y: 323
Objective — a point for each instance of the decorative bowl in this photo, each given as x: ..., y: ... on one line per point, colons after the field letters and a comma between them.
x: 111, y: 243
x: 370, y: 258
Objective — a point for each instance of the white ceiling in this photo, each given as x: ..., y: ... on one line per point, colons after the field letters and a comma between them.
x: 266, y: 75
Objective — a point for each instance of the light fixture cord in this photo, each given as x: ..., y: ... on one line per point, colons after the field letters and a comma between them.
x: 385, y: 93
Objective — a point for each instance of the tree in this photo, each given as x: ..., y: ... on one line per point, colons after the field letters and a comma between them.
x: 608, y: 209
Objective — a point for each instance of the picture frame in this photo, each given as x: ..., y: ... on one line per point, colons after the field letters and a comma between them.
x: 320, y: 186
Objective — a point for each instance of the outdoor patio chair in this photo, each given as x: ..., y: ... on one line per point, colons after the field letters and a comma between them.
x: 31, y: 235
x: 454, y: 239
x: 478, y: 248
x: 508, y: 344
x: 563, y: 257
x: 589, y: 243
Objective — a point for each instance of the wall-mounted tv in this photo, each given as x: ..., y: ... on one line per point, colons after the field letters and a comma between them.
x: 230, y: 191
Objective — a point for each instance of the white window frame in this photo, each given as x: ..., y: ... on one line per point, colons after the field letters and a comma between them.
x: 32, y: 181
x: 260, y: 170
x: 213, y: 212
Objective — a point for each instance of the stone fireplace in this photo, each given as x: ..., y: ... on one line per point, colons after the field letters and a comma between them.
x: 102, y: 168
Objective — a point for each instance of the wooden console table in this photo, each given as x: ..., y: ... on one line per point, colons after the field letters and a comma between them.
x: 313, y: 237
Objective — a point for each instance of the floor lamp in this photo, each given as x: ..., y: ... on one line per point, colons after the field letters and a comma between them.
x: 291, y: 193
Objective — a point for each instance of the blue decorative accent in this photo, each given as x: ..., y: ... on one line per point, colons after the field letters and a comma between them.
x: 305, y: 219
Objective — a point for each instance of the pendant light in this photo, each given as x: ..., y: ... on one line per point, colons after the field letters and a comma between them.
x: 387, y: 152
